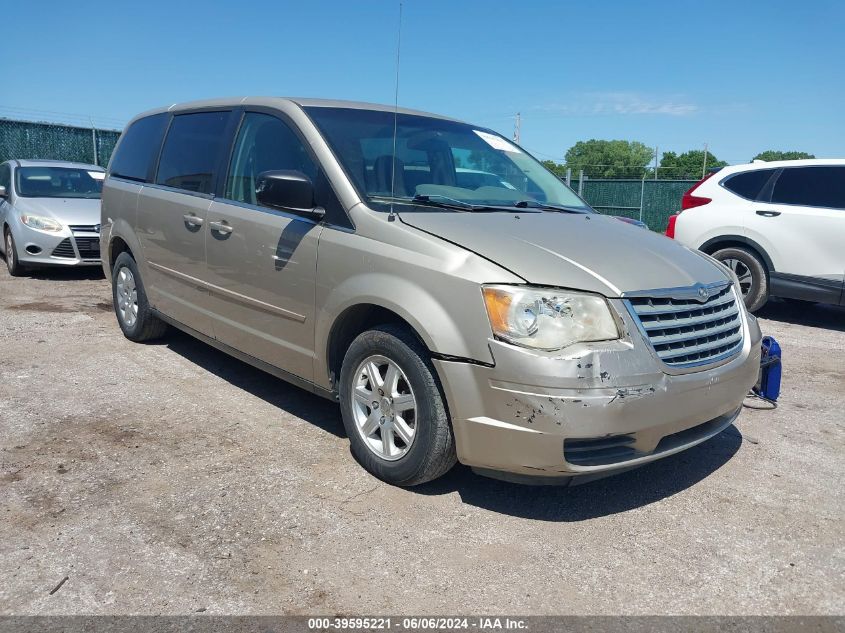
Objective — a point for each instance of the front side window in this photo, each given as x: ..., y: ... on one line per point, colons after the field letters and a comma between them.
x: 264, y: 143
x: 58, y: 182
x: 191, y: 151
x: 749, y: 184
x: 811, y: 187
x: 436, y: 157
x: 138, y: 148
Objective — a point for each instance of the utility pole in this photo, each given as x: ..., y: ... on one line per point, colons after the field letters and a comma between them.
x: 704, y: 165
x: 94, y: 141
x: 656, y: 152
x: 516, y: 129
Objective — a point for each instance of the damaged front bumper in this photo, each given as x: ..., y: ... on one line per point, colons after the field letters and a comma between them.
x: 591, y: 409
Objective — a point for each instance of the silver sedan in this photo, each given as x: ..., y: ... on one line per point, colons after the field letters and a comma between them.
x: 49, y: 214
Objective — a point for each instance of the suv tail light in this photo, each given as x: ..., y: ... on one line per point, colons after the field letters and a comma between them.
x: 690, y: 201
x: 670, y: 228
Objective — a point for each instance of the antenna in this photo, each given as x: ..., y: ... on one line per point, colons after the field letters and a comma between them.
x: 391, y: 217
x: 516, y: 128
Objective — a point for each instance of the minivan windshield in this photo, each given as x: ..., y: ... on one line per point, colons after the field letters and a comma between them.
x: 58, y: 182
x: 447, y: 163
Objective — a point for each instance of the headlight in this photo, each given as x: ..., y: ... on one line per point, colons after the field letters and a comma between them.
x: 41, y: 223
x: 548, y: 318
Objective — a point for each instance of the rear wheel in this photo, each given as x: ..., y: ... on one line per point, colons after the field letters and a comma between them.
x: 753, y: 282
x: 131, y: 307
x: 16, y: 269
x: 393, y: 409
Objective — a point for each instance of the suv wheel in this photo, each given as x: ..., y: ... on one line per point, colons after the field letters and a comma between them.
x: 393, y: 408
x: 16, y: 269
x: 753, y: 281
x: 133, y: 311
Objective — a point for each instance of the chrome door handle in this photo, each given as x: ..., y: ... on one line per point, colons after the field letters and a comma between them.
x: 769, y: 214
x: 192, y: 219
x: 221, y: 227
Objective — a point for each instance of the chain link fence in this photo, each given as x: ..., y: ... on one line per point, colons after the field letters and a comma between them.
x: 28, y: 139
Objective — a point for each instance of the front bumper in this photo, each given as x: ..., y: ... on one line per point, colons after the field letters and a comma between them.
x: 591, y: 409
x: 64, y: 248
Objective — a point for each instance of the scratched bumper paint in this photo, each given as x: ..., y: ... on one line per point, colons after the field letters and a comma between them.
x: 515, y: 416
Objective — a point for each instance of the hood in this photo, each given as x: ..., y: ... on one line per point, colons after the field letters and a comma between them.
x: 65, y: 210
x: 587, y: 252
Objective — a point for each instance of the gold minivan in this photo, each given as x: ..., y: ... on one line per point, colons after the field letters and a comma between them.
x: 456, y: 298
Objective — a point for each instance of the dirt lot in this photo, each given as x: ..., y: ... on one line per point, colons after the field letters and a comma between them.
x: 170, y: 478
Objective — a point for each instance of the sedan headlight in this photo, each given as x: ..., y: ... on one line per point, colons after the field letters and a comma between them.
x: 548, y: 318
x: 41, y: 223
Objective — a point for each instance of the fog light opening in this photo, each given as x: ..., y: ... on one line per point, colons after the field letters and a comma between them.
x: 32, y: 249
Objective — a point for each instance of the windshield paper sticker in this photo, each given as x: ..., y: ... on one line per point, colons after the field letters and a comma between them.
x: 497, y: 142
x: 97, y: 175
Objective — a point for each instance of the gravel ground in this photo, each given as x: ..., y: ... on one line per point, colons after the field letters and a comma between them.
x: 170, y: 478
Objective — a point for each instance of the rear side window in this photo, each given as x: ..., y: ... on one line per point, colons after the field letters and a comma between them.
x: 811, y: 187
x: 749, y: 184
x: 138, y: 148
x: 192, y: 150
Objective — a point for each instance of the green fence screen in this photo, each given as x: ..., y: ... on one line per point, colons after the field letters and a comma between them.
x: 651, y: 201
x: 27, y: 139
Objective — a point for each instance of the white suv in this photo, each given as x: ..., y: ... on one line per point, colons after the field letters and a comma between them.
x: 779, y: 225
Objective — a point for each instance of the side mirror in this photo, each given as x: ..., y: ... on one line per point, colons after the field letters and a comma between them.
x: 287, y: 190
x: 3, y: 193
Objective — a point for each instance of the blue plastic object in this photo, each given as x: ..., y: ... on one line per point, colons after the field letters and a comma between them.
x: 770, y: 370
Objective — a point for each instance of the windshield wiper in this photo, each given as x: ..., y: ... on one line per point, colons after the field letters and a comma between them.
x: 534, y: 204
x: 444, y: 201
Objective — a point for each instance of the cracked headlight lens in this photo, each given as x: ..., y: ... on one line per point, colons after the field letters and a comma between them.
x: 548, y: 318
x: 41, y: 223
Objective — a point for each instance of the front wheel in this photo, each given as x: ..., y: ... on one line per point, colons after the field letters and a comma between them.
x: 393, y: 409
x: 753, y: 282
x: 14, y: 265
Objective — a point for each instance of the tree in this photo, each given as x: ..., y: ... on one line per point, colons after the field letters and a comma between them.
x: 773, y: 154
x: 686, y: 166
x: 556, y: 168
x: 609, y: 159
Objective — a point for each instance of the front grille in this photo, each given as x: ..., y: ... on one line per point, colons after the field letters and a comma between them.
x: 84, y: 228
x: 89, y: 247
x: 64, y: 249
x: 686, y: 332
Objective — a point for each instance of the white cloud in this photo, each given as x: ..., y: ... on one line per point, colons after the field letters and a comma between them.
x: 621, y: 103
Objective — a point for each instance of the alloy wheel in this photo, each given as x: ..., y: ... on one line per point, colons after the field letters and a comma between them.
x: 743, y: 274
x: 384, y: 407
x: 127, y: 297
x: 10, y: 251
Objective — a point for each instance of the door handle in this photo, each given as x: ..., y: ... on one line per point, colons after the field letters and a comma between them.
x: 192, y: 219
x: 221, y: 227
x: 769, y: 214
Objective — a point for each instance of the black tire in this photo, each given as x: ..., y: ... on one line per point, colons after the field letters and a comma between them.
x: 16, y: 269
x: 757, y: 293
x: 147, y: 326
x: 432, y: 452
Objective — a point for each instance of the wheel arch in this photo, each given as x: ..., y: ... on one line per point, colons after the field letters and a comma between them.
x: 353, y: 321
x: 727, y: 241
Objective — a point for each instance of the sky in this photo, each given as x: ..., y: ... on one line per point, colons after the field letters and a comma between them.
x: 742, y: 76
